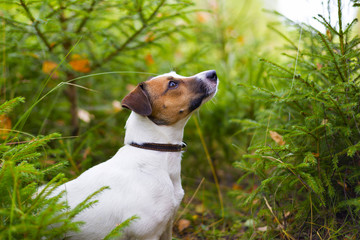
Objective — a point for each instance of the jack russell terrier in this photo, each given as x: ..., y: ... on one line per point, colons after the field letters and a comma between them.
x: 144, y: 175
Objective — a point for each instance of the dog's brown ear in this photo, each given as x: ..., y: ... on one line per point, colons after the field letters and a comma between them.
x: 137, y: 101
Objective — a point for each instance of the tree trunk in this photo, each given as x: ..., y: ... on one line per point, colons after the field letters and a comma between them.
x: 71, y: 93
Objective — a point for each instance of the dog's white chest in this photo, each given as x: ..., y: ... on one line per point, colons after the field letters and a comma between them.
x: 142, y: 183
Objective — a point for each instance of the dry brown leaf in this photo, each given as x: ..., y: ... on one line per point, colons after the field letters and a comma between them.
x: 86, y: 152
x: 199, y: 208
x: 116, y: 106
x: 343, y: 185
x: 328, y: 34
x: 319, y: 66
x: 277, y: 138
x: 183, y: 224
x: 149, y: 60
x: 262, y: 229
x: 202, y: 17
x: 236, y: 187
x: 60, y: 122
x: 80, y: 64
x: 48, y: 67
x: 5, y: 126
x: 49, y: 162
x: 84, y: 115
x: 149, y: 37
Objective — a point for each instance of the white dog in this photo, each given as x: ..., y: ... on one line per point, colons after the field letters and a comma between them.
x: 144, y: 175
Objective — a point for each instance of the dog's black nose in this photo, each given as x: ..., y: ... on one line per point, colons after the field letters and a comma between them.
x: 211, y: 75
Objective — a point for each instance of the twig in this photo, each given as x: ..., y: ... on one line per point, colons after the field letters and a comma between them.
x: 130, y: 39
x: 35, y: 24
x: 277, y: 220
x: 326, y: 140
x: 341, y: 38
x: 346, y: 197
x: 332, y: 54
x: 86, y: 18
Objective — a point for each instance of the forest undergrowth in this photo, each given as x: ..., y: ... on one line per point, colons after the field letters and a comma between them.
x: 274, y: 156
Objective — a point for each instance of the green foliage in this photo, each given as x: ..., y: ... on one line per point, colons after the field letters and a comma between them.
x: 81, y: 56
x: 303, y: 181
x: 27, y: 211
x: 7, y: 106
x: 309, y: 179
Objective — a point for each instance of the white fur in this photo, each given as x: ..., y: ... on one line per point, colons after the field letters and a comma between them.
x: 142, y: 182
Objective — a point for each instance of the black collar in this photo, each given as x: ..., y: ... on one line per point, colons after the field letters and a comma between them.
x: 161, y: 147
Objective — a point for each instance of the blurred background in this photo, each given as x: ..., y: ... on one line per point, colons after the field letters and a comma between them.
x: 74, y: 61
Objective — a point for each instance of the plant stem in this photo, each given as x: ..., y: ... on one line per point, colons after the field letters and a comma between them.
x: 332, y: 54
x: 211, y: 166
x: 341, y: 38
x: 3, y: 80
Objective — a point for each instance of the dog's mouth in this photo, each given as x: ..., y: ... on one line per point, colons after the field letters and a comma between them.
x: 207, y: 88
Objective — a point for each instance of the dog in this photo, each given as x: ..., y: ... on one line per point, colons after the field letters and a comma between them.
x: 144, y: 175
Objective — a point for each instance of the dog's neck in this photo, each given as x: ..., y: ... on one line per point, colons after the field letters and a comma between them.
x: 141, y: 130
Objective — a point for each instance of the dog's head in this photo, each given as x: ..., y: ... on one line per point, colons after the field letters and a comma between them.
x: 168, y: 98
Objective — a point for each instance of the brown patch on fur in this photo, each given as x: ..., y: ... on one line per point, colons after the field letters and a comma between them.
x: 170, y: 105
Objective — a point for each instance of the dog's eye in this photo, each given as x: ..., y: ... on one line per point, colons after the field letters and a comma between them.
x: 173, y: 84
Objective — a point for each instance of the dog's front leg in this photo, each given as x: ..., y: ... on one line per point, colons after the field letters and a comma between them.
x: 167, y: 234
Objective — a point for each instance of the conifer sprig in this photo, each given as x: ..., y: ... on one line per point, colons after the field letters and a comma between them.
x: 313, y: 173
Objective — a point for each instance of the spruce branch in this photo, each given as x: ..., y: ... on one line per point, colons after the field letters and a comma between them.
x: 341, y: 38
x: 130, y: 39
x: 292, y: 171
x: 332, y: 54
x: 86, y: 18
x: 284, y: 37
x: 287, y: 71
x: 339, y: 110
x: 326, y: 24
x: 7, y: 106
x: 140, y: 10
x: 350, y: 26
x: 35, y: 24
